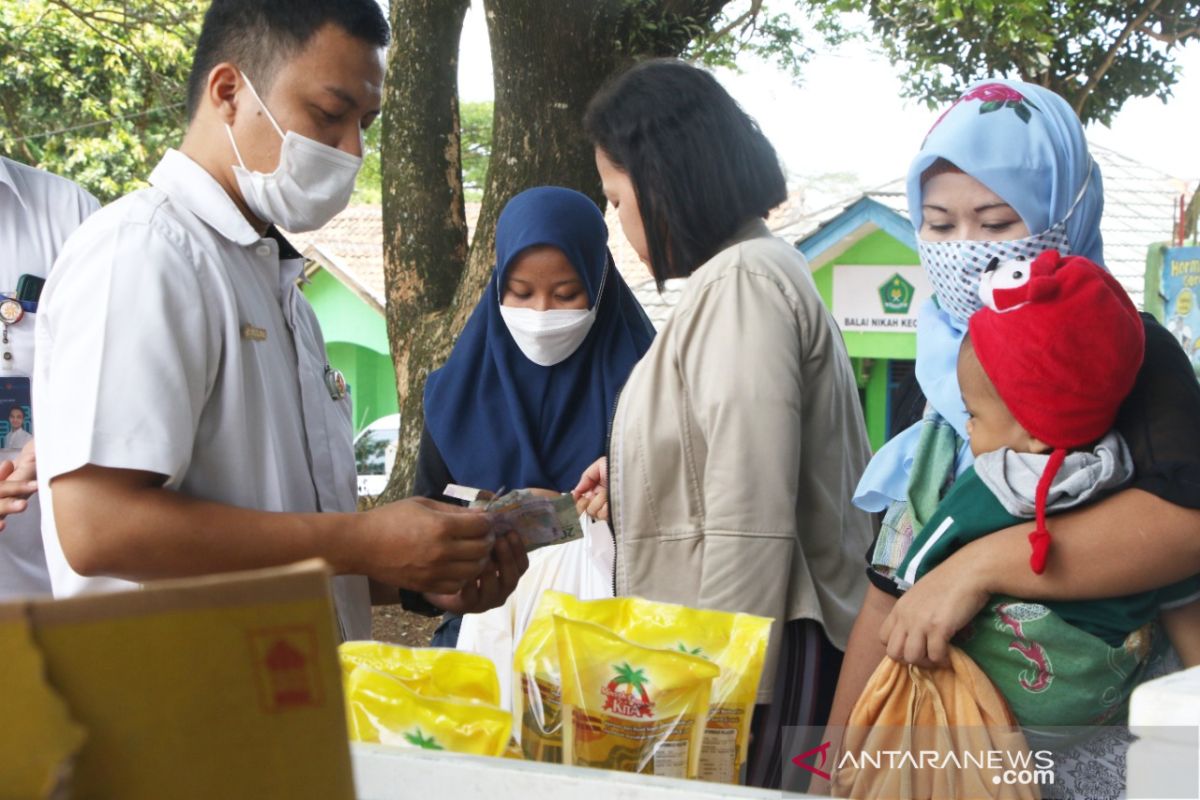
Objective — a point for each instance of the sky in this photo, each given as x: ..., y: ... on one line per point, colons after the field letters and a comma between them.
x: 848, y: 116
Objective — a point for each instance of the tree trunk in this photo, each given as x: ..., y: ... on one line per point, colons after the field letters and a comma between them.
x: 548, y: 58
x: 424, y: 219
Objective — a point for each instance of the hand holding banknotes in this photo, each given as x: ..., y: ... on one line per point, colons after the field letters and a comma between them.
x: 497, y: 581
x: 539, y: 517
x: 427, y: 546
x: 591, y: 495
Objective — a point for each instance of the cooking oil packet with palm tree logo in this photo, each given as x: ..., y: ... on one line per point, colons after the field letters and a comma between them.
x: 429, y: 671
x: 737, y: 643
x: 382, y: 709
x: 630, y: 708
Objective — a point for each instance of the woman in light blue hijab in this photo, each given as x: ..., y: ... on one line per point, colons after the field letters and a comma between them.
x: 1021, y: 148
x: 1030, y: 150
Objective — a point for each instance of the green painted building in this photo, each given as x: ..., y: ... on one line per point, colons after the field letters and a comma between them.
x: 344, y: 284
x: 865, y: 265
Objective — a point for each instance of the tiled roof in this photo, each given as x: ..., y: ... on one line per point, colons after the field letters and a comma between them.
x: 350, y: 246
x: 1139, y: 206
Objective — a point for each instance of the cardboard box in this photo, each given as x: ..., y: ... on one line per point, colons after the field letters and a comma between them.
x: 226, y: 686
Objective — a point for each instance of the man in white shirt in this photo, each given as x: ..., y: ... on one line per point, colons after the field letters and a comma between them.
x: 189, y: 422
x: 38, y: 211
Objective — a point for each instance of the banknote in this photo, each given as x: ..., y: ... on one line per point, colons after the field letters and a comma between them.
x: 539, y: 521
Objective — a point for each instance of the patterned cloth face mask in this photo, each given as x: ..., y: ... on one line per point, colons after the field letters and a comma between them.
x: 955, y: 267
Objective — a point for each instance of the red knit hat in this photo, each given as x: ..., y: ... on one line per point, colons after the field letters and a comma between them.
x: 1062, y: 343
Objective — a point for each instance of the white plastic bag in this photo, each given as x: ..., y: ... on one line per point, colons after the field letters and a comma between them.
x: 582, y: 567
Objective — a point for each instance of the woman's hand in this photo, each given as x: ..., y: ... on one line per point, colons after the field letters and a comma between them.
x: 921, y: 624
x: 591, y: 495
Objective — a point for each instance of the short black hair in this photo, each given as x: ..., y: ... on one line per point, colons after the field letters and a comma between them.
x: 699, y: 164
x: 258, y: 35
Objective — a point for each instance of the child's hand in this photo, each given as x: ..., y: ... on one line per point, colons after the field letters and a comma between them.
x: 921, y: 624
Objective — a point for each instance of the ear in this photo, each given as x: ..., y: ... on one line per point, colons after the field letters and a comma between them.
x: 221, y: 91
x: 1036, y: 445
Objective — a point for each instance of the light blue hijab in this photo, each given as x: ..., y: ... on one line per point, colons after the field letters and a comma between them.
x: 1026, y: 144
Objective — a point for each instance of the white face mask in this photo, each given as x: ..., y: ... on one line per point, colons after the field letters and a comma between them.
x: 312, y: 183
x: 956, y: 267
x: 550, y: 337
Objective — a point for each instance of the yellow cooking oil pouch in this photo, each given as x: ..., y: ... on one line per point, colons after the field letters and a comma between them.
x: 736, y: 643
x: 428, y: 671
x: 628, y: 707
x: 382, y: 709
x: 537, y: 688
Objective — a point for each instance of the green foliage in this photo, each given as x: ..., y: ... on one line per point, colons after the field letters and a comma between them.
x: 368, y: 188
x: 94, y: 89
x: 1096, y: 54
x: 476, y: 124
x: 768, y: 33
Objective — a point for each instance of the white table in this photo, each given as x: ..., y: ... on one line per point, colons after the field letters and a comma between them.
x: 386, y: 773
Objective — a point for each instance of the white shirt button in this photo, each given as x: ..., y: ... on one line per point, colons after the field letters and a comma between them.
x: 263, y: 250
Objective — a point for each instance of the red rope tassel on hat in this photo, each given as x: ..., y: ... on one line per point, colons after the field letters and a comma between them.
x: 1040, y: 538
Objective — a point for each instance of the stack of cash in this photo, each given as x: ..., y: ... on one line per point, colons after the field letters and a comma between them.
x: 539, y: 521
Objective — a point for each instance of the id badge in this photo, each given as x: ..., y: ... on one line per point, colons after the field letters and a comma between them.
x: 16, y: 414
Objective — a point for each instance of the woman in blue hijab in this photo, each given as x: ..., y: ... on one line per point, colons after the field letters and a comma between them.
x: 1006, y: 172
x: 525, y: 397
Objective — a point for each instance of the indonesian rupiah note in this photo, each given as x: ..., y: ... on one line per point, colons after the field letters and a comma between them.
x: 539, y: 521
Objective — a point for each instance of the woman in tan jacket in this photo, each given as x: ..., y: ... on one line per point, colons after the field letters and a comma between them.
x: 736, y: 444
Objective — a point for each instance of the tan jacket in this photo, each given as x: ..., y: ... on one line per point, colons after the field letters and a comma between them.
x: 737, y: 443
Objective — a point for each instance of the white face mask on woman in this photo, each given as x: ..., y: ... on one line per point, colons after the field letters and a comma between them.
x: 956, y: 267
x: 549, y: 337
x: 312, y: 183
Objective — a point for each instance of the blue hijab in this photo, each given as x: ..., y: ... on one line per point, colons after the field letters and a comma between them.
x: 1026, y: 144
x: 498, y: 419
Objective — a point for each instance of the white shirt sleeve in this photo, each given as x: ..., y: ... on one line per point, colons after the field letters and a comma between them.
x: 126, y: 351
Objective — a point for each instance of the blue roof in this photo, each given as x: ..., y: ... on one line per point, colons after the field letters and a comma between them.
x: 862, y: 212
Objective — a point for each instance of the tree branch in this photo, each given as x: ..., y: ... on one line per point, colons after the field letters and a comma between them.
x: 1171, y: 38
x: 1111, y: 56
x: 743, y: 20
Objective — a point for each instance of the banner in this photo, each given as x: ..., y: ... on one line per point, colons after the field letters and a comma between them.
x: 1179, y: 289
